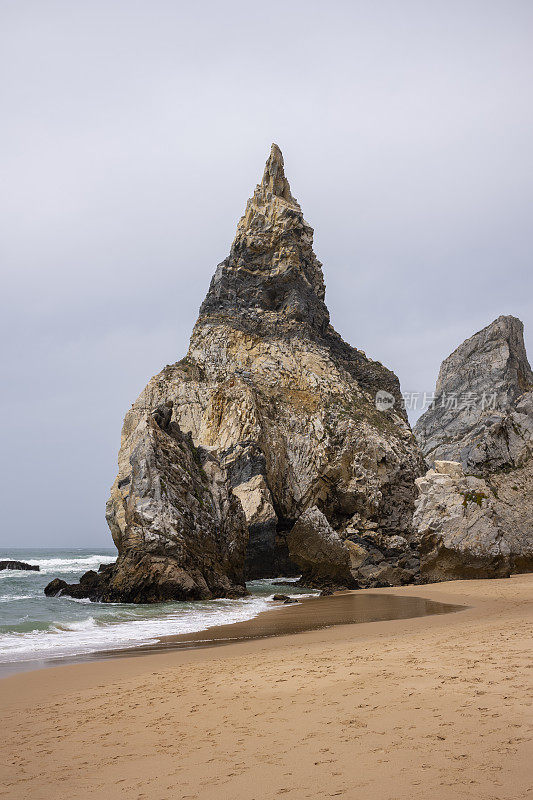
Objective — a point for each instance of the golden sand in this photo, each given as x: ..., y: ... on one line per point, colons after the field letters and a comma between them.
x: 431, y: 707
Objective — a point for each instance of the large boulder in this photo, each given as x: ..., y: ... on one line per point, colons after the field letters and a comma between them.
x: 458, y: 527
x: 320, y: 552
x: 180, y: 531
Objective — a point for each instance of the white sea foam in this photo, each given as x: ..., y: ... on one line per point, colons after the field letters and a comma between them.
x: 93, y: 634
x: 61, y: 565
x: 47, y: 628
x: 9, y: 598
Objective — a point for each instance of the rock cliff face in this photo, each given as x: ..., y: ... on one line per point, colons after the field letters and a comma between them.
x: 283, y: 405
x: 482, y: 419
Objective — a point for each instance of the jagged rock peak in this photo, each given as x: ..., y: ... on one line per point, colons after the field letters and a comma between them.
x: 479, y: 385
x: 271, y: 274
x: 274, y: 180
x: 280, y: 414
x: 500, y: 349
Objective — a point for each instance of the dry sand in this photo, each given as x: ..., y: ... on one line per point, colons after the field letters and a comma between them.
x: 432, y: 707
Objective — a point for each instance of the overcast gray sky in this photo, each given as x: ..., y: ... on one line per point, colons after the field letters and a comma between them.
x: 132, y: 134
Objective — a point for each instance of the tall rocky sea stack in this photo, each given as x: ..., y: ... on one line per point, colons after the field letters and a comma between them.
x: 275, y: 448
x: 475, y: 511
x: 271, y: 415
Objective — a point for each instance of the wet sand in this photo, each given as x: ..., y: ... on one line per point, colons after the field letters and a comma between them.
x: 436, y: 705
x: 311, y: 614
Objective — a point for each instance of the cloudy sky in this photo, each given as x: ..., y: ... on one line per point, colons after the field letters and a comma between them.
x: 132, y: 134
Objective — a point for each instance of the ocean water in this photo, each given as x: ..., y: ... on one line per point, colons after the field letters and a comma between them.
x: 38, y: 628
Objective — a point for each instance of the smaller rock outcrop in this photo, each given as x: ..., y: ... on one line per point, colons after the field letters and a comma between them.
x: 285, y: 599
x: 483, y: 418
x: 458, y: 527
x: 92, y: 585
x: 19, y: 565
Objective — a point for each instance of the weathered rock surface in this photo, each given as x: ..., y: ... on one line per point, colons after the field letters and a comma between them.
x: 482, y: 415
x: 278, y: 408
x: 320, y: 552
x: 179, y: 530
x: 282, y: 401
x: 491, y: 439
x: 459, y: 528
x: 18, y: 565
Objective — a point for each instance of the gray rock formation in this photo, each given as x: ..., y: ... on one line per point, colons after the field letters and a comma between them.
x: 320, y: 552
x: 477, y: 402
x: 283, y: 405
x: 489, y: 431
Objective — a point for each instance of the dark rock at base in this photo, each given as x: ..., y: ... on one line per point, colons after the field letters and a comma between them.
x: 19, y: 565
x: 106, y: 567
x: 154, y: 578
x: 145, y: 578
x: 55, y: 587
x: 91, y: 587
x: 326, y: 592
x: 285, y: 599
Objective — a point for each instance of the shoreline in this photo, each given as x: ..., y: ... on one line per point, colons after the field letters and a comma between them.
x: 308, y: 614
x: 391, y: 709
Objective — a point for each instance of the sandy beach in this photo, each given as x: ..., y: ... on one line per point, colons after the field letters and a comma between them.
x: 433, y: 706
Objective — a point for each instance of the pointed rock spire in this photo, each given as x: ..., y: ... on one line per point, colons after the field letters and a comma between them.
x: 274, y: 180
x: 271, y: 275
